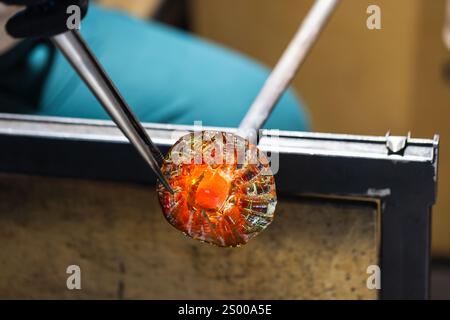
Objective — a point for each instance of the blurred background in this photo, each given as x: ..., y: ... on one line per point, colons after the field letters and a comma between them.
x: 356, y: 80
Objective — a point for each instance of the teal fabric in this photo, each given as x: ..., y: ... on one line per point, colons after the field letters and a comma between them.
x: 167, y: 76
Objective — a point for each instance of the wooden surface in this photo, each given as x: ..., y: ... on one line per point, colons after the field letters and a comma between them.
x: 118, y: 236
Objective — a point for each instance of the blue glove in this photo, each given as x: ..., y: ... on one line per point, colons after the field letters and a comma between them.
x: 41, y: 18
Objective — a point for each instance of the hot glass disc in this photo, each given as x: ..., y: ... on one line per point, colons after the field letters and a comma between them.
x: 224, y: 188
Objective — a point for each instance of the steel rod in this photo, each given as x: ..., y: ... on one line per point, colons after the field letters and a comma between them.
x: 287, y: 67
x: 76, y: 51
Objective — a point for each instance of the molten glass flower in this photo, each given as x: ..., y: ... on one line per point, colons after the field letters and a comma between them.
x: 224, y: 188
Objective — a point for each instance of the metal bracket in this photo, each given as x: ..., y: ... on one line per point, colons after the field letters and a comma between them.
x: 322, y: 164
x: 397, y: 144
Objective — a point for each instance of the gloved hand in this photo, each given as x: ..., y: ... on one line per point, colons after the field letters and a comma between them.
x: 41, y: 18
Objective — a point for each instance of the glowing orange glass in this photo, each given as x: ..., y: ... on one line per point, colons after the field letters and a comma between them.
x: 224, y: 189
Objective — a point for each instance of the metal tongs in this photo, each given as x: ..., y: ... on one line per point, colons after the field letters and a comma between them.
x: 77, y: 52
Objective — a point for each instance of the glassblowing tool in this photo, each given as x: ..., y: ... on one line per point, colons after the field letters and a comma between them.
x: 287, y: 67
x: 82, y: 59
